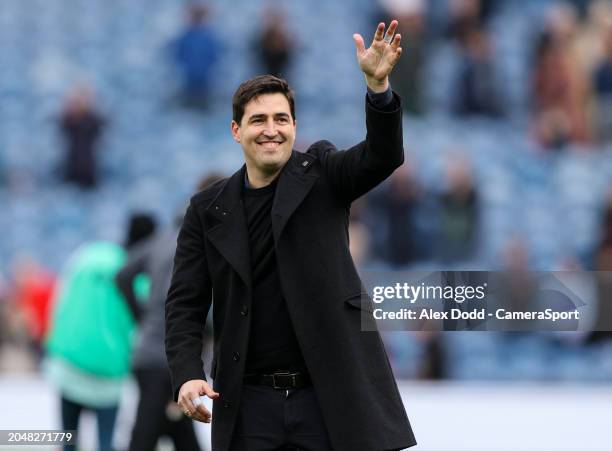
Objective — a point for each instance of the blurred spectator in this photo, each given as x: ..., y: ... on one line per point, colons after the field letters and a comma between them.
x: 603, y: 264
x: 4, y: 325
x: 394, y: 205
x: 476, y: 88
x: 407, y: 77
x: 196, y: 51
x: 603, y: 88
x: 517, y: 288
x: 434, y: 362
x: 603, y: 256
x: 359, y: 235
x: 82, y: 127
x: 459, y: 213
x: 467, y: 15
x: 274, y: 45
x: 16, y: 343
x: 141, y: 225
x: 157, y: 414
x: 581, y: 6
x: 3, y: 174
x: 590, y: 43
x: 32, y: 292
x: 560, y: 86
x: 515, y: 256
x: 89, y: 342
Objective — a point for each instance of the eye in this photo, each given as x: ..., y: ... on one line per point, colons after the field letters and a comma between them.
x: 256, y: 121
x: 283, y: 120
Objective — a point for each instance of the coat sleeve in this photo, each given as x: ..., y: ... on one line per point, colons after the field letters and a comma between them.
x: 355, y: 171
x: 188, y: 303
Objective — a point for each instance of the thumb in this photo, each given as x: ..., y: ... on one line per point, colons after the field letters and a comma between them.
x: 359, y: 43
x: 208, y: 391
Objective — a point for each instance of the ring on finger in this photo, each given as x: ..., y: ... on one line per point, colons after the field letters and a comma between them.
x: 388, y: 39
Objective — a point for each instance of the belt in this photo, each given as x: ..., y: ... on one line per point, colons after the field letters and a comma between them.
x: 280, y: 380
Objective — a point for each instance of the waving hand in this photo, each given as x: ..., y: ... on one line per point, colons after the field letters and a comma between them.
x: 377, y: 61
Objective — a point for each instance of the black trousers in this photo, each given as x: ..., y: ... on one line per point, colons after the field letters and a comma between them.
x: 279, y: 420
x: 154, y: 419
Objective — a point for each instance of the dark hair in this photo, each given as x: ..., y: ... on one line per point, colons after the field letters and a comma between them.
x: 140, y: 226
x: 256, y: 86
x: 197, y: 13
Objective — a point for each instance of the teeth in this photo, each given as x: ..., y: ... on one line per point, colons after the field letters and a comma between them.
x: 270, y: 144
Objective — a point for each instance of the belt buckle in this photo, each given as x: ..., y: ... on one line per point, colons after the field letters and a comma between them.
x: 277, y: 387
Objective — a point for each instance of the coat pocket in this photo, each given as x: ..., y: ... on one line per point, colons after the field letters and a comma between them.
x: 361, y: 301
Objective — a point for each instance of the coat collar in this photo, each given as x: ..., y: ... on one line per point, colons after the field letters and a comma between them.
x: 227, y: 222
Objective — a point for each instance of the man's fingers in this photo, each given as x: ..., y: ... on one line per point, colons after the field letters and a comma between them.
x: 203, y: 414
x: 359, y: 43
x: 186, y: 409
x: 396, y: 42
x: 193, y: 407
x: 196, y: 401
x: 186, y: 399
x: 379, y: 32
x: 396, y: 56
x: 208, y: 391
x: 391, y: 30
x: 182, y: 402
x: 185, y: 403
x: 189, y: 399
x: 197, y: 416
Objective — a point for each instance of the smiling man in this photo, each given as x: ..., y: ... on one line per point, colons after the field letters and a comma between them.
x: 264, y: 124
x: 268, y: 248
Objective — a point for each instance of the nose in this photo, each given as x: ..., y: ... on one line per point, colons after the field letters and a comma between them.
x: 270, y: 129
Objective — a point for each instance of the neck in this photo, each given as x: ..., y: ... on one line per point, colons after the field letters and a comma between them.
x: 258, y: 179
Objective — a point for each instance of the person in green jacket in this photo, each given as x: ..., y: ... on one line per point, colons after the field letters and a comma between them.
x: 89, y: 342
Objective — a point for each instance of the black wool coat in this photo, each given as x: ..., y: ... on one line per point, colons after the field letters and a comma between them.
x: 350, y: 371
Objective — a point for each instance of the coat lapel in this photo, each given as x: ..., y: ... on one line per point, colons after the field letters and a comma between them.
x: 228, y: 228
x: 227, y: 224
x: 295, y: 182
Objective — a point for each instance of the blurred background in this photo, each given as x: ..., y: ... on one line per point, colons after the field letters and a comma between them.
x: 118, y: 109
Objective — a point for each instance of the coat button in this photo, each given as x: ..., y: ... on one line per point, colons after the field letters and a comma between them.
x: 236, y: 356
x: 227, y: 404
x: 244, y: 311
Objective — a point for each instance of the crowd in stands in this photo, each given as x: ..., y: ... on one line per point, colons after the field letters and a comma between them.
x: 404, y: 223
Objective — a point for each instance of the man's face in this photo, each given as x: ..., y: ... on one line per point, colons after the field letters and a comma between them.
x: 266, y: 132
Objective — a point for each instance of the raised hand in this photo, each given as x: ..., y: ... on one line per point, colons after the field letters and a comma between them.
x: 378, y: 60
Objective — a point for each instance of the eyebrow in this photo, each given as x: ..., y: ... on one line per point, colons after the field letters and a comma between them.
x: 263, y: 116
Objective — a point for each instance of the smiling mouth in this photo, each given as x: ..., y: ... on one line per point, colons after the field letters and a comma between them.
x: 269, y: 144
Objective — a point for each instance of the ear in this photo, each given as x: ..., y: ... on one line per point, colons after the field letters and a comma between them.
x: 235, y: 127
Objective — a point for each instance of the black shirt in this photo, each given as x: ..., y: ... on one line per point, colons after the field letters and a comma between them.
x: 273, y: 345
x: 272, y: 342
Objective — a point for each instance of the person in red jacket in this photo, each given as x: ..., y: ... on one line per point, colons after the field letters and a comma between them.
x: 32, y: 292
